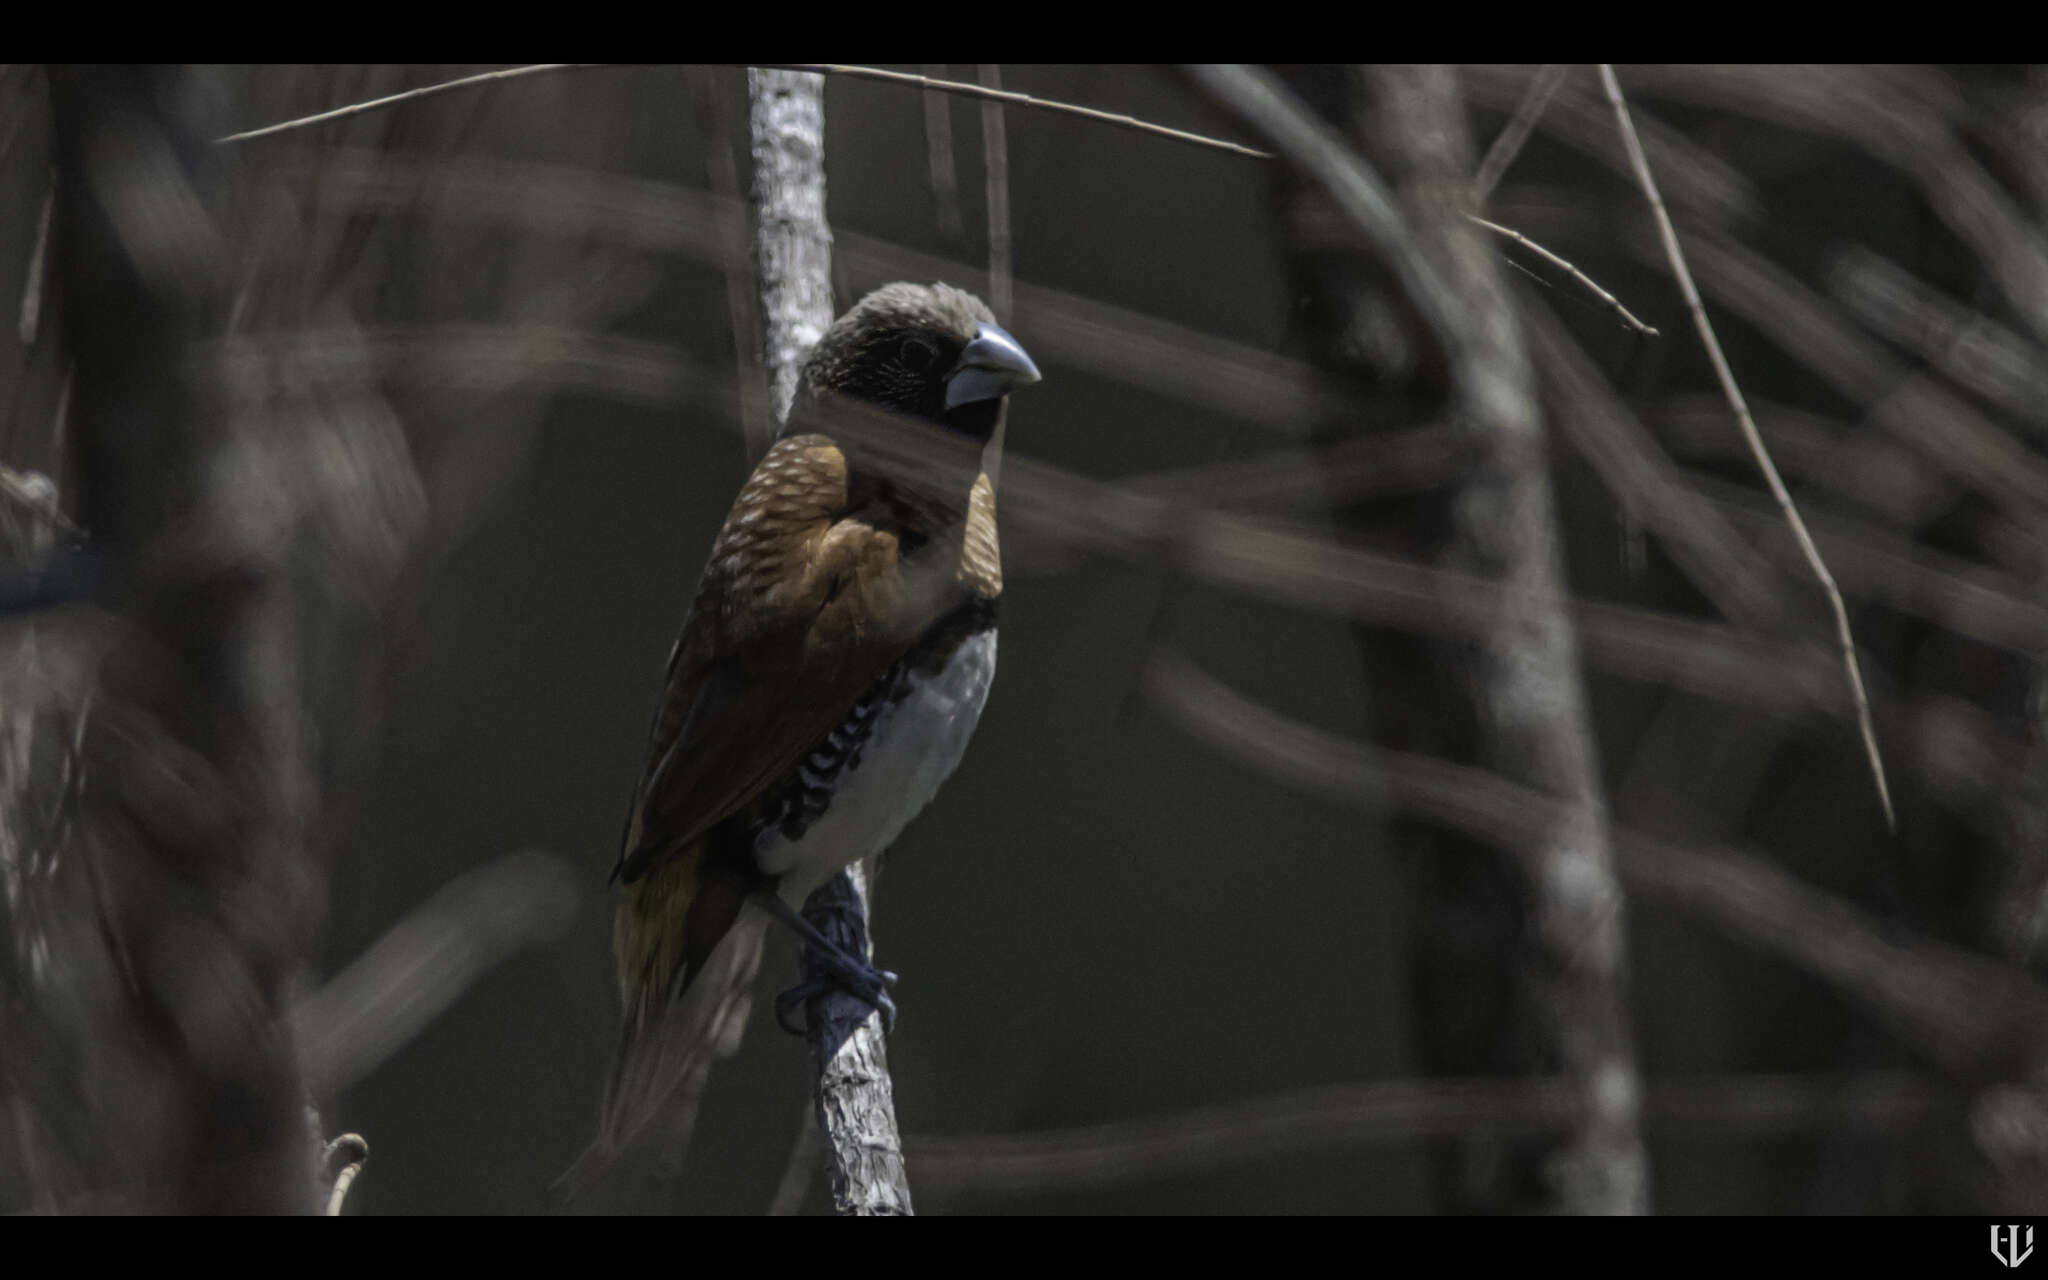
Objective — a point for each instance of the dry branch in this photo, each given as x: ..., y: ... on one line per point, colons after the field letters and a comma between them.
x: 1955, y: 1008
x: 1726, y: 376
x: 173, y: 916
x: 1303, y: 1121
x: 856, y: 1099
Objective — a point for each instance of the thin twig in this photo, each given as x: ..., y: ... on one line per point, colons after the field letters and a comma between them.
x: 1586, y: 282
x: 424, y: 91
x: 353, y: 1148
x: 1024, y: 100
x: 928, y: 83
x: 940, y: 150
x: 1327, y: 225
x: 1676, y: 256
x: 32, y: 288
x: 1512, y: 137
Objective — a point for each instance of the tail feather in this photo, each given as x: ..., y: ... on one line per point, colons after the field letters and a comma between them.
x: 688, y: 960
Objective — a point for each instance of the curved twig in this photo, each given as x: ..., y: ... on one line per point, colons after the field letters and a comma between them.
x: 424, y: 91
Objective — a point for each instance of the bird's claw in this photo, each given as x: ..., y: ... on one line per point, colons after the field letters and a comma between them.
x: 787, y: 1003
x: 866, y: 984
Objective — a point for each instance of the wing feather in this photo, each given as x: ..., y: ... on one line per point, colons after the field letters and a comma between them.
x: 804, y: 604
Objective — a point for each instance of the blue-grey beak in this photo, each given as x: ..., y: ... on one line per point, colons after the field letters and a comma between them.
x: 992, y: 366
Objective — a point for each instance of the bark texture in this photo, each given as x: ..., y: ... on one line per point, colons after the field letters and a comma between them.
x: 792, y: 240
x: 793, y: 244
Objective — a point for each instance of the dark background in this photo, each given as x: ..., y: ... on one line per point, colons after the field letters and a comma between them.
x: 1099, y: 919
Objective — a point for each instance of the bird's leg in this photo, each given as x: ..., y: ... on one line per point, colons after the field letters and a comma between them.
x: 850, y: 973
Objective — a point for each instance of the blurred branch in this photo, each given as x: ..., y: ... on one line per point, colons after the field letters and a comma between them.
x: 995, y: 151
x: 855, y: 1097
x: 995, y: 156
x: 176, y: 926
x: 1856, y: 469
x: 32, y: 288
x: 1968, y: 346
x: 1882, y: 565
x: 1266, y: 105
x: 938, y: 141
x: 1966, y: 1013
x: 1899, y: 120
x: 32, y: 493
x: 1174, y: 361
x: 1726, y: 377
x: 1529, y: 691
x: 1054, y: 509
x: 1945, y: 431
x: 742, y: 282
x: 1276, y: 481
x: 1695, y: 179
x: 990, y: 90
x: 991, y: 93
x: 1603, y: 430
x: 1515, y: 133
x: 423, y: 964
x: 1301, y: 1121
x: 799, y: 1168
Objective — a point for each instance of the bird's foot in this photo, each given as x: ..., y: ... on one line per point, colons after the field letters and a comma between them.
x: 843, y: 970
x: 864, y: 982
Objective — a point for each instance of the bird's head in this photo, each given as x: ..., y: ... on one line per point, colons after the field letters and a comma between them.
x: 928, y: 351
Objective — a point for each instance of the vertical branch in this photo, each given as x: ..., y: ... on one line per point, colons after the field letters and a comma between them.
x: 1532, y: 702
x: 742, y: 290
x: 792, y: 240
x: 995, y: 150
x: 938, y: 141
x: 1517, y: 965
x: 193, y: 896
x: 995, y: 146
x: 856, y: 1100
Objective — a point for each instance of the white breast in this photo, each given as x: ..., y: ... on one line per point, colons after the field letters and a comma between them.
x: 914, y: 747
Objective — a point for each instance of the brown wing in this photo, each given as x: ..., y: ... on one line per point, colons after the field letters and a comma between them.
x: 803, y: 605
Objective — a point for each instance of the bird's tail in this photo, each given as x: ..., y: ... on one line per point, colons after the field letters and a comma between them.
x: 689, y: 952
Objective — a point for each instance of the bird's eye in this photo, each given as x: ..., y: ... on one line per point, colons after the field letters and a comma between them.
x: 917, y: 355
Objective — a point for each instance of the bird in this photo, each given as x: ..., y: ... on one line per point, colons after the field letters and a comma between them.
x: 828, y: 676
